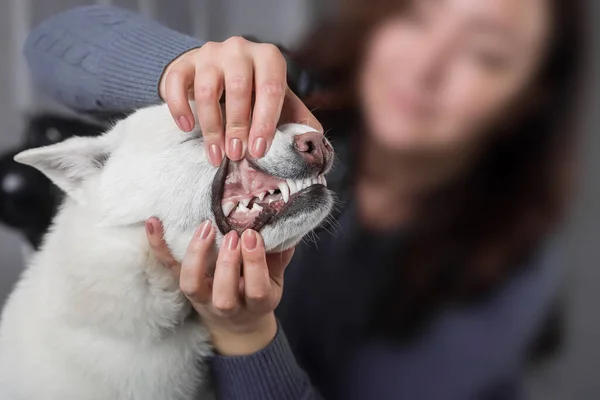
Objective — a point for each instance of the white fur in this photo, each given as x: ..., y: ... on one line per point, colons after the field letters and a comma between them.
x: 94, y: 316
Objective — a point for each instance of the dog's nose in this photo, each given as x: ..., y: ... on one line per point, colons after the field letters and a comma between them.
x: 314, y: 147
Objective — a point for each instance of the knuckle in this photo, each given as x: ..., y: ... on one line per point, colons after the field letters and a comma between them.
x: 189, y: 289
x: 274, y: 88
x: 205, y: 93
x: 225, y: 305
x: 236, y: 41
x: 270, y: 50
x: 227, y: 264
x: 238, y: 86
x: 259, y: 296
x: 175, y: 75
x: 210, y: 47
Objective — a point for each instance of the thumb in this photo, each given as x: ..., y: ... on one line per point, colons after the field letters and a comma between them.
x: 277, y: 263
x: 294, y: 110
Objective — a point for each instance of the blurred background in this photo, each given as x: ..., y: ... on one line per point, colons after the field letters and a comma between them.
x: 573, y: 374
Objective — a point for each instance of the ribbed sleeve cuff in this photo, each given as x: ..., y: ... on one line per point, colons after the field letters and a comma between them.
x: 135, y: 62
x: 270, y: 374
x: 103, y: 58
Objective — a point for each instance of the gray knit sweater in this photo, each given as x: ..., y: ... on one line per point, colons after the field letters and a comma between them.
x: 101, y: 58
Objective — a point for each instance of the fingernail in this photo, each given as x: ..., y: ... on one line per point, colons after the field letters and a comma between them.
x: 185, y: 124
x: 205, y: 229
x: 235, y: 149
x: 149, y: 228
x: 259, y: 147
x: 249, y: 238
x: 232, y: 240
x: 215, y: 154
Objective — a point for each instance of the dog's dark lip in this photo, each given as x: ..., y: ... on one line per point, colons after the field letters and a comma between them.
x: 217, y: 194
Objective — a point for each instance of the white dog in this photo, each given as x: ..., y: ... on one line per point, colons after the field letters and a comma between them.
x: 95, y: 317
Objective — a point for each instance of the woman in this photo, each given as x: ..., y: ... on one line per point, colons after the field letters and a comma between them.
x: 450, y: 119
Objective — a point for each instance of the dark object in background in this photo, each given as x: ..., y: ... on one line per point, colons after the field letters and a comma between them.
x: 29, y: 200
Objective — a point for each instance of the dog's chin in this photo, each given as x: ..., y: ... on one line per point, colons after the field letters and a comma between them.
x: 281, y: 210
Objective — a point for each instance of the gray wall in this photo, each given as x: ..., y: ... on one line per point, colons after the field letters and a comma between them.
x: 576, y: 375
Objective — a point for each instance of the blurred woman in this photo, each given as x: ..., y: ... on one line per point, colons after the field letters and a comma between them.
x: 452, y: 120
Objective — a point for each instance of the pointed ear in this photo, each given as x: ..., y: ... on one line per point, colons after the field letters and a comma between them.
x: 69, y: 163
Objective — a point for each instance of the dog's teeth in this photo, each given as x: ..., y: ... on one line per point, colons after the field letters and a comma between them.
x: 271, y: 191
x: 314, y: 181
x: 228, y: 207
x: 285, y: 191
x: 299, y: 184
x: 245, y: 202
x: 292, y: 185
x: 306, y: 183
x: 261, y: 196
x: 242, y: 207
x: 320, y: 180
x: 256, y: 207
x: 324, y: 180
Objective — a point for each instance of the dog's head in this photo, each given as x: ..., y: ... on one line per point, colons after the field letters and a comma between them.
x: 145, y: 166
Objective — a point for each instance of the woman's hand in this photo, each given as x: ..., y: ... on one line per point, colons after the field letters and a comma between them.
x: 239, y: 68
x: 238, y: 311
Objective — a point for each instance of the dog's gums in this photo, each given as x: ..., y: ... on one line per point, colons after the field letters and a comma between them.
x: 243, y: 197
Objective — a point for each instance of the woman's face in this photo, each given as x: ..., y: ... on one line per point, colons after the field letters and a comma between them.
x: 436, y: 76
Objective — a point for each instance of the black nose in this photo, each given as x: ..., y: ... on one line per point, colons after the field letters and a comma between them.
x: 314, y: 148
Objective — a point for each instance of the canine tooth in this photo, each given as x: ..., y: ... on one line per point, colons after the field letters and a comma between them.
x: 261, y: 195
x: 292, y: 185
x: 324, y: 181
x: 256, y: 207
x: 228, y: 207
x: 245, y: 202
x: 320, y: 179
x: 285, y: 191
x: 242, y: 207
x: 271, y: 191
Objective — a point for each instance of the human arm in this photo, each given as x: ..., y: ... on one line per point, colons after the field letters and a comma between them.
x: 102, y: 58
x: 106, y: 59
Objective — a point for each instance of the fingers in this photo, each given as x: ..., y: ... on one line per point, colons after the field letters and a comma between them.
x: 225, y: 298
x: 208, y: 89
x: 256, y: 273
x: 277, y: 263
x: 177, y: 82
x: 238, y: 70
x: 154, y: 232
x: 193, y: 280
x: 270, y: 86
x: 295, y: 111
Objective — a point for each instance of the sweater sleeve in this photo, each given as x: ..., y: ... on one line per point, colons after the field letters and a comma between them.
x: 102, y: 58
x: 270, y: 374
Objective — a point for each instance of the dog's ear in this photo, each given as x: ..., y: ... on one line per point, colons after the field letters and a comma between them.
x: 69, y: 163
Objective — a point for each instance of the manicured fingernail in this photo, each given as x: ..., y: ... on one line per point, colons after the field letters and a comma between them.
x: 249, y: 238
x: 235, y: 149
x: 232, y: 240
x: 215, y: 155
x: 259, y: 147
x: 205, y: 229
x: 185, y: 124
x: 149, y: 228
